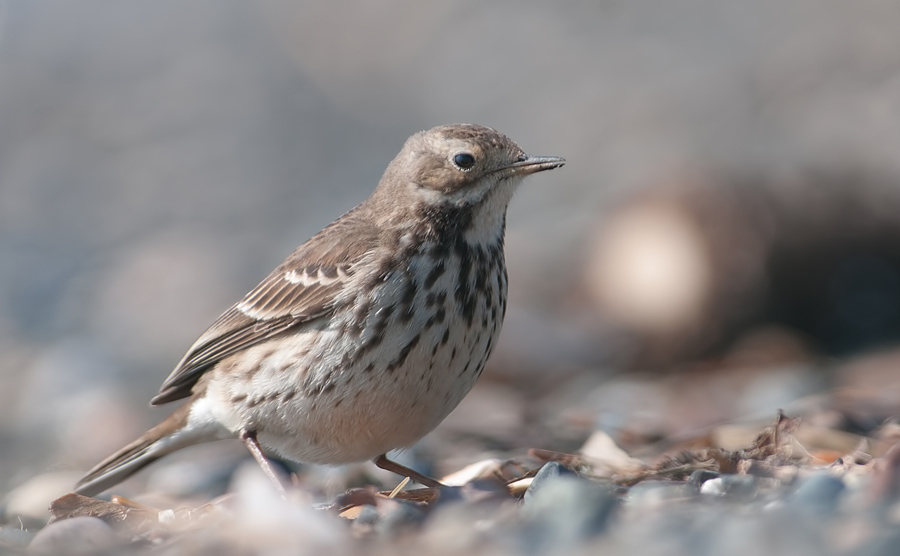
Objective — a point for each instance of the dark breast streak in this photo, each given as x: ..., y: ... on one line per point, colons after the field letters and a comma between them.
x: 449, y: 291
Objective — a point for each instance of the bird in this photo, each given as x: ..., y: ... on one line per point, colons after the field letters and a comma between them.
x: 369, y: 334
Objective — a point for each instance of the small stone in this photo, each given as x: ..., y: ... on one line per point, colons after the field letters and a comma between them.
x: 881, y: 543
x: 398, y: 516
x: 367, y: 518
x: 477, y: 492
x: 368, y: 514
x: 265, y: 519
x: 742, y: 486
x: 473, y: 472
x: 657, y: 493
x: 76, y: 536
x: 14, y: 538
x: 566, y: 510
x: 30, y: 500
x: 819, y: 493
x: 549, y: 472
x: 207, y: 474
x: 700, y: 476
x: 449, y: 495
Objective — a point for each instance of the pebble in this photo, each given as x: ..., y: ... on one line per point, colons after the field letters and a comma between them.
x: 75, y: 536
x: 449, y: 495
x: 651, y: 494
x: 398, y: 516
x: 260, y: 516
x: 366, y: 520
x: 14, y: 537
x: 819, y: 493
x: 206, y: 473
x: 550, y: 471
x: 882, y: 543
x: 741, y: 486
x: 700, y: 476
x: 565, y: 510
x: 368, y: 515
x: 30, y: 501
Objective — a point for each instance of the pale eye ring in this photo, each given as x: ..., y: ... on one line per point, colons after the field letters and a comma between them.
x: 464, y: 161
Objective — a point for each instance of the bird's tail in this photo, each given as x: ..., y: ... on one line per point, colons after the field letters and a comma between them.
x: 164, y: 438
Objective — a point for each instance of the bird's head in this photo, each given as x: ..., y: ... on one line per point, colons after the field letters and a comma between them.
x: 461, y: 165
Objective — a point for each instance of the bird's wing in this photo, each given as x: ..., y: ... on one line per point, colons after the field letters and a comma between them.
x: 302, y: 288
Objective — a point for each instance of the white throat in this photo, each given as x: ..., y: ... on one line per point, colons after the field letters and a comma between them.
x: 490, y: 214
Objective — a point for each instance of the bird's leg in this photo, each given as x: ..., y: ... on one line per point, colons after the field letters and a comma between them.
x: 383, y: 462
x: 252, y: 444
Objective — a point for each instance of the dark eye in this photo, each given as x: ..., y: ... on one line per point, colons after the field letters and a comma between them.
x: 464, y: 161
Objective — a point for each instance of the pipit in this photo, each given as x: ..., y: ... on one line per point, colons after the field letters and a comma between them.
x: 369, y: 334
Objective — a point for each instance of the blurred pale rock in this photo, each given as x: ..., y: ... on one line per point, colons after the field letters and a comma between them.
x: 603, y: 452
x: 734, y: 486
x: 653, y: 272
x: 78, y: 536
x: 13, y: 537
x: 565, y: 511
x: 268, y: 522
x: 697, y: 259
x: 654, y: 495
x: 31, y: 499
x: 819, y: 493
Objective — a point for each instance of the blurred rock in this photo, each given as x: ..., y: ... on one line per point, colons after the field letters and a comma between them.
x: 463, y: 528
x: 777, y: 532
x: 204, y: 471
x: 700, y: 476
x: 867, y: 389
x: 884, y: 544
x: 261, y: 518
x: 819, y: 493
x: 673, y: 265
x: 398, y: 517
x: 478, y: 470
x: 79, y: 536
x: 565, y: 511
x: 651, y: 269
x: 649, y: 495
x: 734, y: 486
x: 603, y: 453
x: 689, y: 263
x: 368, y: 515
x: 885, y: 486
x: 550, y: 472
x: 14, y: 539
x: 30, y: 501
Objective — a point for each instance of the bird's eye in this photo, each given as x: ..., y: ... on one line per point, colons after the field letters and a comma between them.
x: 464, y: 161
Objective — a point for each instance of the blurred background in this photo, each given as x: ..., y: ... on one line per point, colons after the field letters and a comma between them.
x: 723, y: 242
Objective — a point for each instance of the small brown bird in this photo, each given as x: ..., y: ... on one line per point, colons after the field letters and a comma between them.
x: 370, y: 333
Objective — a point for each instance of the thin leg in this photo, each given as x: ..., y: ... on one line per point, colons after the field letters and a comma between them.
x: 252, y: 444
x: 383, y: 462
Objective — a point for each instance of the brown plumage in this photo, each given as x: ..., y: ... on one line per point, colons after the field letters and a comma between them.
x: 370, y: 333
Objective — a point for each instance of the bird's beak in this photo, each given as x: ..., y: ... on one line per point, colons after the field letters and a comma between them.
x: 531, y: 164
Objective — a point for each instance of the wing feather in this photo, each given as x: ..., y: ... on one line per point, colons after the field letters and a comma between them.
x: 304, y: 287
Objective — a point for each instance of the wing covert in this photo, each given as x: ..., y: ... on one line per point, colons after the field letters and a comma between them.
x: 304, y: 287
